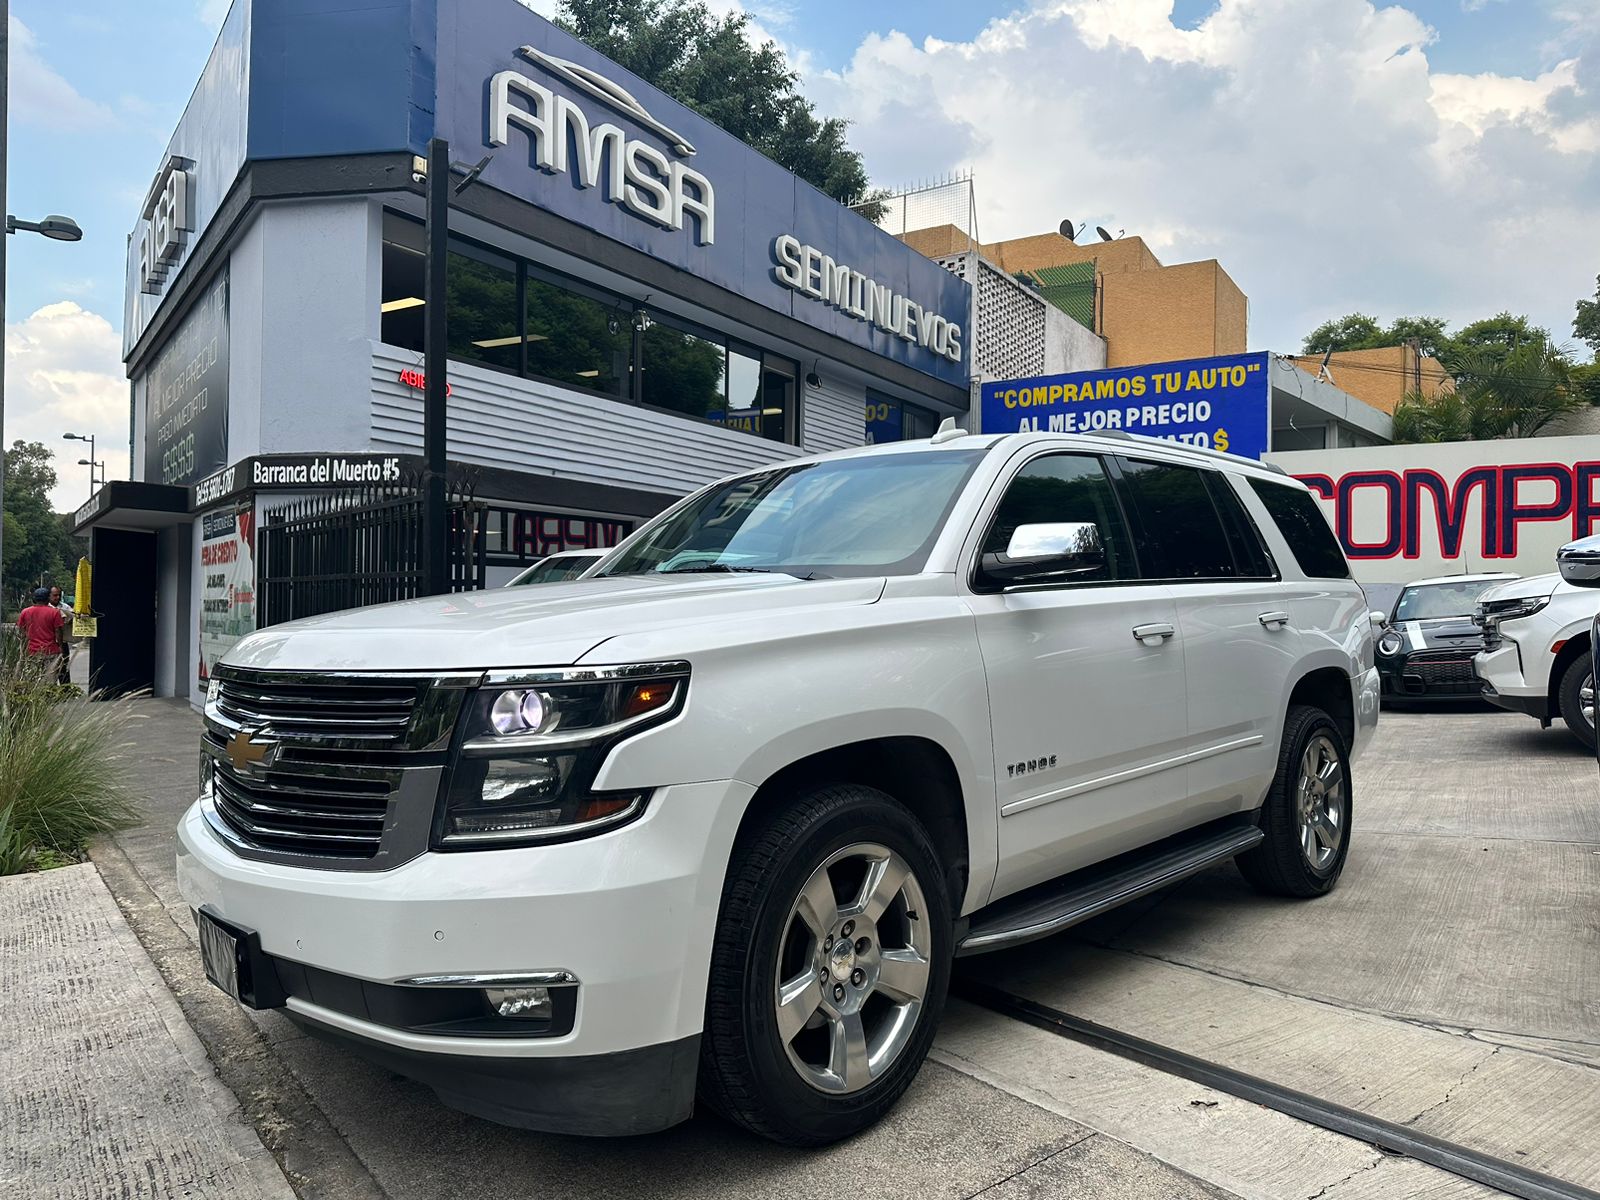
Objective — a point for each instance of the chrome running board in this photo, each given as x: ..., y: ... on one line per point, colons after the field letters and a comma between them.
x: 1052, y: 907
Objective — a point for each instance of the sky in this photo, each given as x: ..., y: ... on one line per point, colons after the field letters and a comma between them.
x: 1436, y: 157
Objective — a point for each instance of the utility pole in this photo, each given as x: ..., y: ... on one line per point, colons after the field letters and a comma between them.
x: 435, y: 332
x: 5, y: 149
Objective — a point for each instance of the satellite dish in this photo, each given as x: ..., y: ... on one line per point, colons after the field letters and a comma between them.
x: 1104, y: 235
x: 1068, y: 232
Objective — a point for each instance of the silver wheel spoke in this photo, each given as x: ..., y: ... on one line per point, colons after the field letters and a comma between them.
x: 1308, y: 841
x: 1330, y: 774
x: 885, y: 878
x: 1327, y: 835
x: 902, y: 975
x: 847, y: 1051
x: 798, y: 1001
x: 817, y: 906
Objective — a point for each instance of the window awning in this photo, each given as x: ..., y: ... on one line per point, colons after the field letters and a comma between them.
x: 129, y: 504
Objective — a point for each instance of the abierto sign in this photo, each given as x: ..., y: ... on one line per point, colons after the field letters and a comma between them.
x: 1408, y: 512
x: 1217, y: 403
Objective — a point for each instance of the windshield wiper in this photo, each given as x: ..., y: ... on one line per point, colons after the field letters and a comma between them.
x: 715, y: 568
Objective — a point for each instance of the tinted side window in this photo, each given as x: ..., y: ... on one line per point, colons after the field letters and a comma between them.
x: 1065, y: 487
x: 1300, y: 519
x: 1249, y: 551
x: 1180, y: 534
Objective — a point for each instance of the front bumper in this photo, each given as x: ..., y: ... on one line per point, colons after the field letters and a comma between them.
x: 1504, y: 684
x: 630, y: 913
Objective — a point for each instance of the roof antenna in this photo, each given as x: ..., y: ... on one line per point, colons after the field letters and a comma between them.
x: 1322, y: 372
x: 948, y: 431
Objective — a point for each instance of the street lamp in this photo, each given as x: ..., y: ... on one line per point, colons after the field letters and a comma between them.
x: 62, y: 229
x: 92, y: 464
x: 84, y: 437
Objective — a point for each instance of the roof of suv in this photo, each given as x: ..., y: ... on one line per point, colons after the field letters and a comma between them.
x: 1111, y: 442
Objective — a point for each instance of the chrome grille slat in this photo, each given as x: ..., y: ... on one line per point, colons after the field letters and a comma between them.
x: 351, y: 766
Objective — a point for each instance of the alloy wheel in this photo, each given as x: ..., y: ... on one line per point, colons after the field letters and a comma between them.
x: 853, y: 968
x: 1321, y: 806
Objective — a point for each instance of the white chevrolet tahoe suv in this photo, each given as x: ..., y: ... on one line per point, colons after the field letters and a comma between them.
x: 715, y: 820
x: 1535, y: 656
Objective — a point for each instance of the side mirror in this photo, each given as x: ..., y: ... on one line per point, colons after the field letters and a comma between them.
x: 1378, y: 619
x: 1579, y: 562
x: 1048, y: 553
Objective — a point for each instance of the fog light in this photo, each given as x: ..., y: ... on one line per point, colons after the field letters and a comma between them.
x: 532, y: 1003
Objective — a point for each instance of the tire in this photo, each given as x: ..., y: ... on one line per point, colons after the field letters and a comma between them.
x: 1579, y: 672
x: 1296, y: 858
x: 808, y: 1088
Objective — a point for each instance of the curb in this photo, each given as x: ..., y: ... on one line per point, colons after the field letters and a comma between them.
x: 314, y: 1157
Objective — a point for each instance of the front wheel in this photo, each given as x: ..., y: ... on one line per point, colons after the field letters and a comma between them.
x: 1578, y: 675
x: 1307, y: 814
x: 829, y: 968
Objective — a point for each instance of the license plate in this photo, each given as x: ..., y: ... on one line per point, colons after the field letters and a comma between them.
x: 219, y: 954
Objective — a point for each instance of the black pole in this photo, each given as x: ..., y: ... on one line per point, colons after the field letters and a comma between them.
x: 435, y: 519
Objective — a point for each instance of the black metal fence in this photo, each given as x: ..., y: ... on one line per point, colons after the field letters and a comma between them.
x: 351, y: 548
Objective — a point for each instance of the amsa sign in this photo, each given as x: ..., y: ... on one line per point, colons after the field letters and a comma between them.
x: 1407, y: 512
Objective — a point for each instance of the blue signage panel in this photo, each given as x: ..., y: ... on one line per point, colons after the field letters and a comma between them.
x: 1221, y: 403
x: 573, y: 132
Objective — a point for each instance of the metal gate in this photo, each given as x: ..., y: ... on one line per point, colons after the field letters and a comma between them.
x: 352, y: 548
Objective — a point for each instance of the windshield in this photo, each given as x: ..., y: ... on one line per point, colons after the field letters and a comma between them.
x: 1434, y: 600
x: 552, y: 569
x: 874, y: 515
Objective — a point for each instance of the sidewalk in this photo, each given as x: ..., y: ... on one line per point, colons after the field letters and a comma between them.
x: 109, y: 1092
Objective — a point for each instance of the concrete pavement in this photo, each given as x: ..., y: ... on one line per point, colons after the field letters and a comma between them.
x: 109, y: 1092
x: 1447, y: 975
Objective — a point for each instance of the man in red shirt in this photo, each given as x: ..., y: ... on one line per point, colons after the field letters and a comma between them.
x: 41, y: 623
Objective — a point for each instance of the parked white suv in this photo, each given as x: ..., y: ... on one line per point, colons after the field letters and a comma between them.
x: 716, y: 818
x: 1535, y: 658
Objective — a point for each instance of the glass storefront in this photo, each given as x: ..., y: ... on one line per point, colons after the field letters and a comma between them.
x: 519, y: 317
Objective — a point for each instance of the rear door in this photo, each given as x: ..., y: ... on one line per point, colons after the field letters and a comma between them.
x: 1237, y: 632
x: 1089, y: 720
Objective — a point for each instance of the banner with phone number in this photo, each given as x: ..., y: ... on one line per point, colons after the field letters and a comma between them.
x: 1221, y: 403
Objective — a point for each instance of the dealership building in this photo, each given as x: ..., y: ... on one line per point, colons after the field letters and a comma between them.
x: 638, y: 304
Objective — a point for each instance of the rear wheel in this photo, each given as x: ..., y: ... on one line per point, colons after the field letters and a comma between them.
x: 1307, y: 814
x: 829, y: 968
x: 1578, y: 675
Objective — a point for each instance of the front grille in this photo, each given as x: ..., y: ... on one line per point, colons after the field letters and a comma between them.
x: 1444, y: 670
x: 326, y: 769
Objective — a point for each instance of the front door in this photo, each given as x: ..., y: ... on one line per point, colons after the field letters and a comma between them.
x: 1089, y: 716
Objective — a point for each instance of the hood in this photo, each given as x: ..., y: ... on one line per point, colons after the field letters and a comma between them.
x: 1518, y: 589
x: 551, y: 624
x: 1441, y: 633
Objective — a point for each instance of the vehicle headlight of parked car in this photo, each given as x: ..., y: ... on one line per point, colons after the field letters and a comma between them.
x: 1391, y: 643
x: 532, y: 746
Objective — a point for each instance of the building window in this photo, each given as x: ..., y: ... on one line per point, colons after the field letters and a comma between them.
x: 891, y: 420
x: 521, y: 318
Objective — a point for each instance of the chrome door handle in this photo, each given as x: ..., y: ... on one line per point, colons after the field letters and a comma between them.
x: 1274, y: 620
x: 1153, y: 634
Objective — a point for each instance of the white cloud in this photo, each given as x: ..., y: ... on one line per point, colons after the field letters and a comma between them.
x: 213, y: 12
x: 40, y: 96
x: 1307, y: 144
x: 64, y: 374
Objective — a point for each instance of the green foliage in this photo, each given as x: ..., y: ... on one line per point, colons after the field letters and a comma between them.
x: 1361, y: 332
x: 1500, y: 392
x: 1586, y: 325
x: 38, y: 544
x: 61, y: 765
x: 707, y: 62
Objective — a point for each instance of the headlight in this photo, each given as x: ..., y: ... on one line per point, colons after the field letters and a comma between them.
x: 1390, y: 644
x: 531, y: 748
x: 1512, y: 610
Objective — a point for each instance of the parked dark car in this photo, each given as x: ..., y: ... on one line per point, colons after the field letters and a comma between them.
x: 1425, y: 650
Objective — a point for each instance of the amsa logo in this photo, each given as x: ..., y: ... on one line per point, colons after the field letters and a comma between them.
x: 628, y: 171
x: 168, y: 219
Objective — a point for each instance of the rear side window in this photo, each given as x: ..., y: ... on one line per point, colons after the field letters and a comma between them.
x: 1179, y: 533
x: 1303, y: 526
x: 1065, y: 488
x: 1249, y: 551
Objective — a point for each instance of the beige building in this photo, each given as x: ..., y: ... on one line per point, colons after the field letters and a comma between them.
x: 1147, y: 312
x: 1381, y: 377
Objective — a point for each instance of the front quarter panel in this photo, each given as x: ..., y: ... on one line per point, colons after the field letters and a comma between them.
x: 761, y: 698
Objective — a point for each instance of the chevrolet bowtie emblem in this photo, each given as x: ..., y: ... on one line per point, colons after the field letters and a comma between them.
x: 245, y: 750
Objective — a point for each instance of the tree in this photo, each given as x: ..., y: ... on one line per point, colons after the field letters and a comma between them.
x: 37, y: 546
x: 1586, y: 326
x: 1361, y: 332
x: 707, y: 62
x: 1500, y: 392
